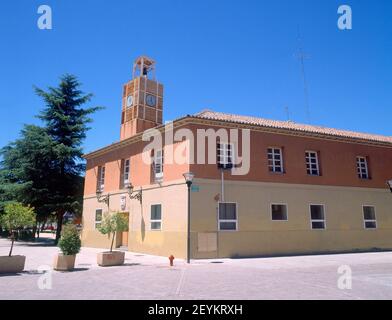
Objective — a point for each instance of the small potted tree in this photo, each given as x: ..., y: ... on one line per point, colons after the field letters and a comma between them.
x: 16, y: 217
x: 112, y: 223
x: 69, y: 245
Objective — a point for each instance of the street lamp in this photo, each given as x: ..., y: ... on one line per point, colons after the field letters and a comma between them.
x: 389, y: 183
x: 101, y: 198
x: 133, y: 194
x: 189, y: 179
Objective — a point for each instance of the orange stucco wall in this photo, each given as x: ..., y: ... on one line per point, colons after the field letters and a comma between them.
x: 337, y: 161
x: 140, y: 173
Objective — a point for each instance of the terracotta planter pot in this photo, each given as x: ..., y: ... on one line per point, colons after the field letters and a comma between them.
x: 63, y: 262
x: 106, y: 259
x: 13, y: 264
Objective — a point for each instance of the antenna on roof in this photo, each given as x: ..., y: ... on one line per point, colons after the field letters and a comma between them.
x: 287, y: 110
x: 301, y: 55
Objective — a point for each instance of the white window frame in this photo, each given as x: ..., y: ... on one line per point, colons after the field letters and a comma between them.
x: 369, y: 220
x: 274, y: 166
x: 154, y: 221
x: 158, y: 161
x: 360, y: 161
x: 232, y: 221
x: 280, y: 204
x: 127, y: 171
x: 309, y: 155
x: 101, y: 178
x: 95, y: 218
x: 223, y: 152
x: 317, y: 220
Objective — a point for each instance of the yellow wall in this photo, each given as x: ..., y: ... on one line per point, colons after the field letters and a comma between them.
x: 257, y: 234
x: 171, y: 239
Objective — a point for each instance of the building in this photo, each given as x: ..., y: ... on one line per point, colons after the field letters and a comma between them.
x: 307, y: 189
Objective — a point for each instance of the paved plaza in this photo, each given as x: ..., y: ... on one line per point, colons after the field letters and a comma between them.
x: 150, y: 277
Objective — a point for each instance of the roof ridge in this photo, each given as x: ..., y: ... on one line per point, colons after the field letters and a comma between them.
x: 217, y: 115
x: 203, y: 111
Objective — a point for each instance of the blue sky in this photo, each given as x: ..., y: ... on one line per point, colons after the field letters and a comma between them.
x: 230, y: 56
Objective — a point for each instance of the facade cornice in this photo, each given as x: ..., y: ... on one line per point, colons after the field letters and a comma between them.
x: 195, y: 120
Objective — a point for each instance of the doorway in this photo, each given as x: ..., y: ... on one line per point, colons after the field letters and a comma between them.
x: 124, y: 234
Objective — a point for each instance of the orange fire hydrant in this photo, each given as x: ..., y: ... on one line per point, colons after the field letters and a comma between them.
x: 171, y: 259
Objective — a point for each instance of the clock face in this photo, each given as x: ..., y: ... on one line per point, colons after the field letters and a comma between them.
x: 151, y: 100
x: 129, y: 101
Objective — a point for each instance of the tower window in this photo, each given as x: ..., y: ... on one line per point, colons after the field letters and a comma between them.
x: 158, y: 164
x: 156, y: 217
x: 227, y: 216
x: 101, y: 178
x: 279, y: 212
x: 225, y: 155
x: 98, y: 218
x: 362, y: 168
x: 312, y: 163
x: 317, y: 216
x: 126, y: 171
x: 369, y: 217
x: 275, y: 160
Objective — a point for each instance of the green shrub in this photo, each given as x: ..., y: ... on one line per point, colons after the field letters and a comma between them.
x: 69, y: 242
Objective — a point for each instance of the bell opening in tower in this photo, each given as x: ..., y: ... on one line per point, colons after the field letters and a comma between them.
x: 144, y: 67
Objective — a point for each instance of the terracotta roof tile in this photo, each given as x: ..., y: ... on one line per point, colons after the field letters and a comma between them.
x: 290, y: 125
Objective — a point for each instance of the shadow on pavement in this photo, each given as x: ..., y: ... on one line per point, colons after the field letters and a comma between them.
x: 10, y: 274
x: 39, y: 242
x: 75, y: 270
x: 129, y: 264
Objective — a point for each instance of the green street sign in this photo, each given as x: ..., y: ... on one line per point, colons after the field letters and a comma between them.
x: 195, y: 188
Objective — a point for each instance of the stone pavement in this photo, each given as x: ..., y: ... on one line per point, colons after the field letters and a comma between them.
x: 150, y: 277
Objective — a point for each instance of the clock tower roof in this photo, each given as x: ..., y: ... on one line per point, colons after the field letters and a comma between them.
x: 144, y: 67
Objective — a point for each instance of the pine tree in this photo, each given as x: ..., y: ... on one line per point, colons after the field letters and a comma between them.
x: 66, y: 122
x: 26, y: 171
x: 44, y: 167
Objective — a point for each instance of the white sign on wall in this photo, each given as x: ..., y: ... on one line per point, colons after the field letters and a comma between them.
x: 123, y: 202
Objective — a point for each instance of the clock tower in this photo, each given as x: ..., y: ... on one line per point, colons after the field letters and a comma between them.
x: 142, y: 100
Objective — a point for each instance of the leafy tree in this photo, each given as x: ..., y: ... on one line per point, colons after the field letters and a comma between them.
x: 26, y: 171
x: 69, y: 242
x: 113, y: 223
x: 16, y: 216
x: 44, y: 167
x: 66, y: 122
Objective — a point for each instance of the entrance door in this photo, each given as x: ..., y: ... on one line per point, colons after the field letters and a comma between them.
x: 124, y: 239
x: 124, y: 235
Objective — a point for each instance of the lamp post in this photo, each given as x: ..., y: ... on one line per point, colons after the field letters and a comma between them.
x: 389, y: 183
x: 189, y: 179
x: 134, y: 194
x: 101, y: 198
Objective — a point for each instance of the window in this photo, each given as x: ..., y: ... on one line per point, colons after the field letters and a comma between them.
x: 317, y: 216
x: 227, y: 216
x: 158, y: 164
x: 126, y: 171
x: 225, y: 155
x: 362, y: 168
x: 312, y: 164
x: 275, y: 161
x: 101, y: 178
x: 369, y: 217
x: 156, y: 217
x: 98, y: 218
x: 279, y: 212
